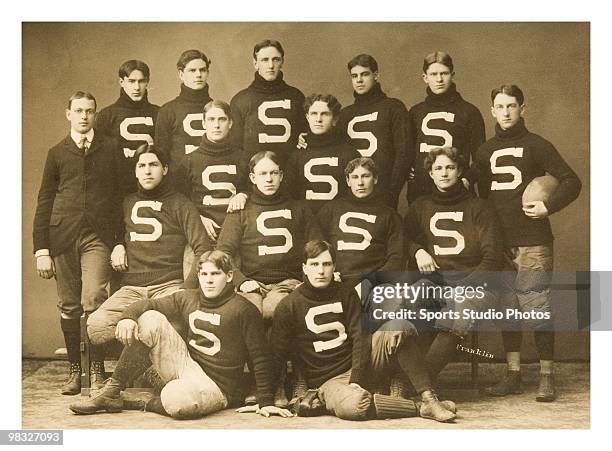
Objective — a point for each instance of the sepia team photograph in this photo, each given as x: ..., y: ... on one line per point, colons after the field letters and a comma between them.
x: 306, y: 225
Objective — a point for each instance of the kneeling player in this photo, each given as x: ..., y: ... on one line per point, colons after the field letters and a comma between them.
x: 320, y: 324
x: 201, y: 375
x: 455, y: 240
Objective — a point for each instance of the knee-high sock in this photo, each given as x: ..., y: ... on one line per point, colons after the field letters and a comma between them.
x: 512, y: 340
x: 545, y: 343
x: 134, y: 361
x: 440, y: 353
x: 72, y: 337
x: 412, y: 363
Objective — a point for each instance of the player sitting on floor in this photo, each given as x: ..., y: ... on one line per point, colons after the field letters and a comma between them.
x: 320, y: 324
x: 203, y: 373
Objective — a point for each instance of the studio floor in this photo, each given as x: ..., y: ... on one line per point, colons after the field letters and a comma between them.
x: 44, y: 408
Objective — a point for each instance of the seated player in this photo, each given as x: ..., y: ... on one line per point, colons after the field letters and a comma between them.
x: 366, y: 234
x: 217, y: 171
x: 268, y: 113
x: 505, y: 165
x: 320, y: 325
x: 316, y: 174
x: 376, y: 126
x: 443, y: 119
x: 179, y: 126
x: 455, y: 241
x: 268, y: 235
x: 203, y: 373
x: 158, y: 223
x: 130, y: 120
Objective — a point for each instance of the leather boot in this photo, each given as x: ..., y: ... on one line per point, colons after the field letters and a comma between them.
x: 98, y: 375
x: 433, y: 409
x: 546, y: 389
x: 73, y: 385
x: 108, y: 398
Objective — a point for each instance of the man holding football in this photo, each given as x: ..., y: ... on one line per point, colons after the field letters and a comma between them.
x: 505, y: 166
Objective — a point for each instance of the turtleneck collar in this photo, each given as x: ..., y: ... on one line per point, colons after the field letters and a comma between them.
x: 514, y: 132
x: 264, y: 86
x: 442, y: 99
x: 125, y: 101
x: 215, y: 148
x: 319, y: 294
x: 263, y: 199
x: 195, y: 95
x: 456, y: 194
x: 330, y: 138
x: 227, y: 293
x: 158, y: 192
x: 374, y: 94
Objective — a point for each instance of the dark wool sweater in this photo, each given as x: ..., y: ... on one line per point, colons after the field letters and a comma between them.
x: 375, y: 125
x: 267, y: 115
x: 158, y: 224
x: 216, y: 172
x: 269, y: 235
x: 366, y: 234
x: 519, y: 156
x: 130, y: 124
x: 223, y: 334
x: 460, y: 231
x: 317, y: 173
x: 321, y: 327
x: 179, y: 129
x: 442, y: 120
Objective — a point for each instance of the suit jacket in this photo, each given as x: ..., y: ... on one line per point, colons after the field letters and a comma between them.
x: 77, y: 189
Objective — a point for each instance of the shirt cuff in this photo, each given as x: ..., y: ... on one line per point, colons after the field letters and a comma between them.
x: 42, y: 253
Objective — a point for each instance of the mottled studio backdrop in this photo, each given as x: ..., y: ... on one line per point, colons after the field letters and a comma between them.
x: 549, y: 61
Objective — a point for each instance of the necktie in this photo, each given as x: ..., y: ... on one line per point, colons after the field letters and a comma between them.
x: 83, y: 144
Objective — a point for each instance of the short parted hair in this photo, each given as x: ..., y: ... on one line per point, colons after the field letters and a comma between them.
x: 314, y: 248
x: 438, y: 57
x: 451, y: 152
x: 262, y: 155
x: 148, y: 148
x: 218, y: 104
x: 190, y: 55
x: 364, y: 162
x: 130, y: 66
x: 268, y: 43
x: 82, y: 95
x: 332, y: 103
x: 365, y: 61
x: 218, y: 258
x: 509, y: 90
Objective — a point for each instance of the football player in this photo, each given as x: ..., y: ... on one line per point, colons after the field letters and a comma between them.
x: 320, y: 323
x: 444, y: 119
x: 376, y: 126
x: 316, y: 174
x: 366, y: 234
x: 130, y: 120
x: 75, y: 225
x: 505, y: 165
x: 268, y: 235
x: 268, y: 114
x: 217, y: 172
x: 180, y: 122
x: 201, y: 374
x: 453, y: 239
x: 158, y: 223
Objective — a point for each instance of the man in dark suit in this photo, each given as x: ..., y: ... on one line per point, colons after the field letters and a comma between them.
x: 75, y: 225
